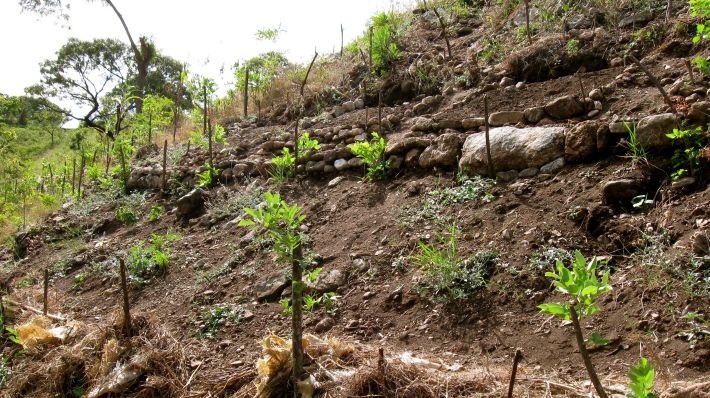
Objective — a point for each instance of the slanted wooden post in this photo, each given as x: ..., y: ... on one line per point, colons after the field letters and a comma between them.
x: 126, y: 306
x: 46, y: 292
x: 654, y: 80
x: 81, y: 175
x: 298, y: 118
x: 370, y: 59
x: 491, y: 168
x: 73, y: 176
x: 514, y: 371
x: 246, y: 88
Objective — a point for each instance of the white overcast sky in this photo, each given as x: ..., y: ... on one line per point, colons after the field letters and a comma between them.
x: 208, y: 34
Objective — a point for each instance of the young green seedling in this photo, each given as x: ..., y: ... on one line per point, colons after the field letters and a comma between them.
x: 583, y: 285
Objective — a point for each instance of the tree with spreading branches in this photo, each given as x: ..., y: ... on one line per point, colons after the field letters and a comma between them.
x: 143, y: 52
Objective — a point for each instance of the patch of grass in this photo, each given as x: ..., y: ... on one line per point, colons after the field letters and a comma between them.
x: 211, y: 319
x: 233, y: 204
x: 126, y: 215
x: 470, y: 189
x: 26, y: 281
x: 447, y: 275
x: 697, y: 328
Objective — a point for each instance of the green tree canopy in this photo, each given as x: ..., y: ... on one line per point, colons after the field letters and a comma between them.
x: 84, y: 72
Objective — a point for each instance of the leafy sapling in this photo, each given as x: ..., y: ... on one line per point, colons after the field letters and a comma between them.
x: 373, y: 154
x: 281, y: 222
x: 582, y: 284
x: 641, y: 377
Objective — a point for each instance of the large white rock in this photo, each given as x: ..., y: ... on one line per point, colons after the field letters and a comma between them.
x: 513, y: 148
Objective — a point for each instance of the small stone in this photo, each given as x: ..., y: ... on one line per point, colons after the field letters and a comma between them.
x: 247, y: 315
x: 506, y: 235
x: 507, y: 176
x: 529, y: 172
x: 683, y: 183
x: 368, y: 295
x: 505, y: 118
x: 340, y: 164
x: 335, y: 181
x: 506, y: 81
x: 553, y: 166
x: 596, y: 94
x: 324, y: 325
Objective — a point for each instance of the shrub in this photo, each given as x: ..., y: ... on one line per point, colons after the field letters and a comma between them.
x: 581, y: 283
x: 148, y: 260
x: 155, y: 213
x: 207, y: 178
x: 284, y: 166
x: 373, y: 154
x: 447, y: 275
x: 573, y: 47
x: 686, y: 158
x: 701, y: 8
x: 126, y: 215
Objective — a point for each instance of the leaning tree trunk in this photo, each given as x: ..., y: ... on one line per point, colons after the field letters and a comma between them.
x: 143, y: 56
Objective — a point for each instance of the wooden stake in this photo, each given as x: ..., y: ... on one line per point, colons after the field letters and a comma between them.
x: 163, y: 183
x: 246, y: 88
x: 583, y: 351
x: 516, y: 359
x: 581, y: 86
x: 73, y: 177
x: 81, y: 175
x: 527, y: 20
x: 297, y: 318
x: 370, y: 62
x: 209, y: 142
x: 491, y: 168
x: 379, y: 111
x: 690, y: 71
x: 653, y: 80
x: 150, y: 127
x: 341, y: 40
x: 2, y: 305
x: 126, y: 306
x: 46, y: 292
x: 364, y: 102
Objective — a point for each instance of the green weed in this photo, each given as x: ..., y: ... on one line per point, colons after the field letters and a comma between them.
x: 213, y: 318
x: 448, y: 276
x: 146, y: 260
x: 373, y: 154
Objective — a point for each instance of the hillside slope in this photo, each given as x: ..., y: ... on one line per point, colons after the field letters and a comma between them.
x: 566, y: 181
